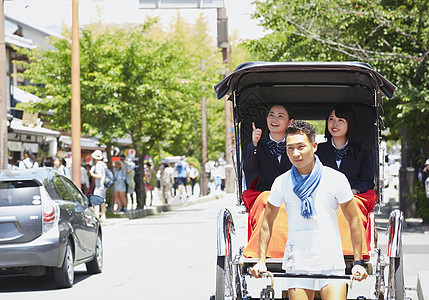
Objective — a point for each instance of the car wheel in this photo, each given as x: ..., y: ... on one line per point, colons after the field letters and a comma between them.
x: 96, y: 264
x: 64, y: 275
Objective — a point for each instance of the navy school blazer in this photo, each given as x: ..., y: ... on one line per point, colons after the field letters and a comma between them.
x: 259, y: 160
x: 359, y: 170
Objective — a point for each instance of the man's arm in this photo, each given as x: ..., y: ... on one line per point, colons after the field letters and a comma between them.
x: 93, y: 174
x: 264, y: 237
x: 350, y: 212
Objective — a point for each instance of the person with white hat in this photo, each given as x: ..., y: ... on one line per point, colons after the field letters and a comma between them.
x: 98, y: 171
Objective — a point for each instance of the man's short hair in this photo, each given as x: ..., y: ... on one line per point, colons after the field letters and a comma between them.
x: 299, y: 126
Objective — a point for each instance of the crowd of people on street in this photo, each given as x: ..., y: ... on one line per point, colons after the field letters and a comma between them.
x: 174, y: 181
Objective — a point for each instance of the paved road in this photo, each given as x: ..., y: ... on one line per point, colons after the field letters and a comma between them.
x: 168, y: 256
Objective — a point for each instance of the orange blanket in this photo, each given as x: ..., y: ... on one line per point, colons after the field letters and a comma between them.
x: 276, y: 246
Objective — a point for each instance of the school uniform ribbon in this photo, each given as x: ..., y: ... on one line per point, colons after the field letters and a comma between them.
x: 304, y: 186
x: 339, y: 153
x: 276, y: 149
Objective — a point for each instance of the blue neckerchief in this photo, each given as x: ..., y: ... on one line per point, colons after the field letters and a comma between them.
x: 304, y: 187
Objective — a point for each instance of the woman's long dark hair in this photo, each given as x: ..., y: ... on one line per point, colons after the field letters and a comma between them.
x: 346, y: 111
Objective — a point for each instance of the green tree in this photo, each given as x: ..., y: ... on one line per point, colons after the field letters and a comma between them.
x: 391, y: 35
x: 135, y: 80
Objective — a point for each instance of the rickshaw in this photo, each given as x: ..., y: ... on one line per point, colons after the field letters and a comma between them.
x: 310, y: 90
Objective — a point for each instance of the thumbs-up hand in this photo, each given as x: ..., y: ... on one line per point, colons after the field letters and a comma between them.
x: 256, y: 134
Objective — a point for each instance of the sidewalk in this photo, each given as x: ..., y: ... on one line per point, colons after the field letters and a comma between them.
x: 410, y: 224
x: 158, y: 206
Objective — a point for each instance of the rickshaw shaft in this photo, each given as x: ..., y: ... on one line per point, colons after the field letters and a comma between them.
x: 316, y: 276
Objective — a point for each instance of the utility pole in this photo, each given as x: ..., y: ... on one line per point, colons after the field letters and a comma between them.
x: 75, y: 95
x: 223, y: 43
x: 3, y: 93
x: 203, y: 176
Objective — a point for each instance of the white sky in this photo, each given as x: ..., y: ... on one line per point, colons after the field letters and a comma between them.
x: 51, y: 14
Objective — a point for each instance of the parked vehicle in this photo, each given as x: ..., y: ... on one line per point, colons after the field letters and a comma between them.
x: 310, y: 90
x: 47, y: 225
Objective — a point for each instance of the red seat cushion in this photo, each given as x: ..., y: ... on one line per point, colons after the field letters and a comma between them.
x: 276, y: 246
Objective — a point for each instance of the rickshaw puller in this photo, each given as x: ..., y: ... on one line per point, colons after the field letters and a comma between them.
x: 312, y: 194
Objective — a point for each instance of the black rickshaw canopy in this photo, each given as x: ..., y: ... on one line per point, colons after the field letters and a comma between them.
x: 309, y: 90
x: 307, y: 78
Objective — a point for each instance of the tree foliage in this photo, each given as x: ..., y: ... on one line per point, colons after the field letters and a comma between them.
x: 136, y: 80
x: 391, y: 35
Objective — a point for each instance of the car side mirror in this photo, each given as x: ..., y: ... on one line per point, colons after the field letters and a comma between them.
x: 96, y: 200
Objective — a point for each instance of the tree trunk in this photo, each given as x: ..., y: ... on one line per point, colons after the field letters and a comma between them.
x: 407, y: 175
x: 140, y: 188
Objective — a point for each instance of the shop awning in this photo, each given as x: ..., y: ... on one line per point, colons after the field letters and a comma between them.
x: 17, y: 127
x: 85, y: 143
x: 23, y: 96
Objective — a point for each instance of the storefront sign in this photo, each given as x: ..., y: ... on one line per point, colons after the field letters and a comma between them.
x: 14, y: 146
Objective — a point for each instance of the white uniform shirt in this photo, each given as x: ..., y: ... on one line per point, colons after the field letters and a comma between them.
x: 314, y: 244
x: 193, y: 172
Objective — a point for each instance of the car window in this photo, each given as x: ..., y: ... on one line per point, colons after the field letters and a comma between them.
x: 77, y: 195
x: 51, y: 188
x: 19, y: 193
x: 62, y: 190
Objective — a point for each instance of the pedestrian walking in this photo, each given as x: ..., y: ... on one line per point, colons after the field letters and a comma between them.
x: 29, y: 161
x: 222, y: 175
x: 98, y: 172
x: 84, y: 179
x: 149, y: 181
x: 60, y: 166
x: 167, y: 181
x: 182, y: 170
x: 120, y: 188
x: 425, y: 172
x: 130, y: 180
x: 216, y: 173
x: 193, y: 174
x: 208, y: 168
x: 91, y: 180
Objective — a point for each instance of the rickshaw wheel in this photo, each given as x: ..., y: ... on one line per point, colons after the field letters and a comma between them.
x: 396, y: 278
x: 223, y: 276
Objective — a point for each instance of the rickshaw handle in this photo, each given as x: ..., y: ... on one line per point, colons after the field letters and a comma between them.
x: 298, y: 275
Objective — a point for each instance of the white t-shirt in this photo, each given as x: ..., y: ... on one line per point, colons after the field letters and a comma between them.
x: 28, y: 164
x: 313, y: 244
x: 100, y: 169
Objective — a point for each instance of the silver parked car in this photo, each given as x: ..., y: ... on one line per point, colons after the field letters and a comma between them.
x: 47, y: 225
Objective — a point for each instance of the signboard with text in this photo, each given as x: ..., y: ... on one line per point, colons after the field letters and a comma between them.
x: 182, y: 4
